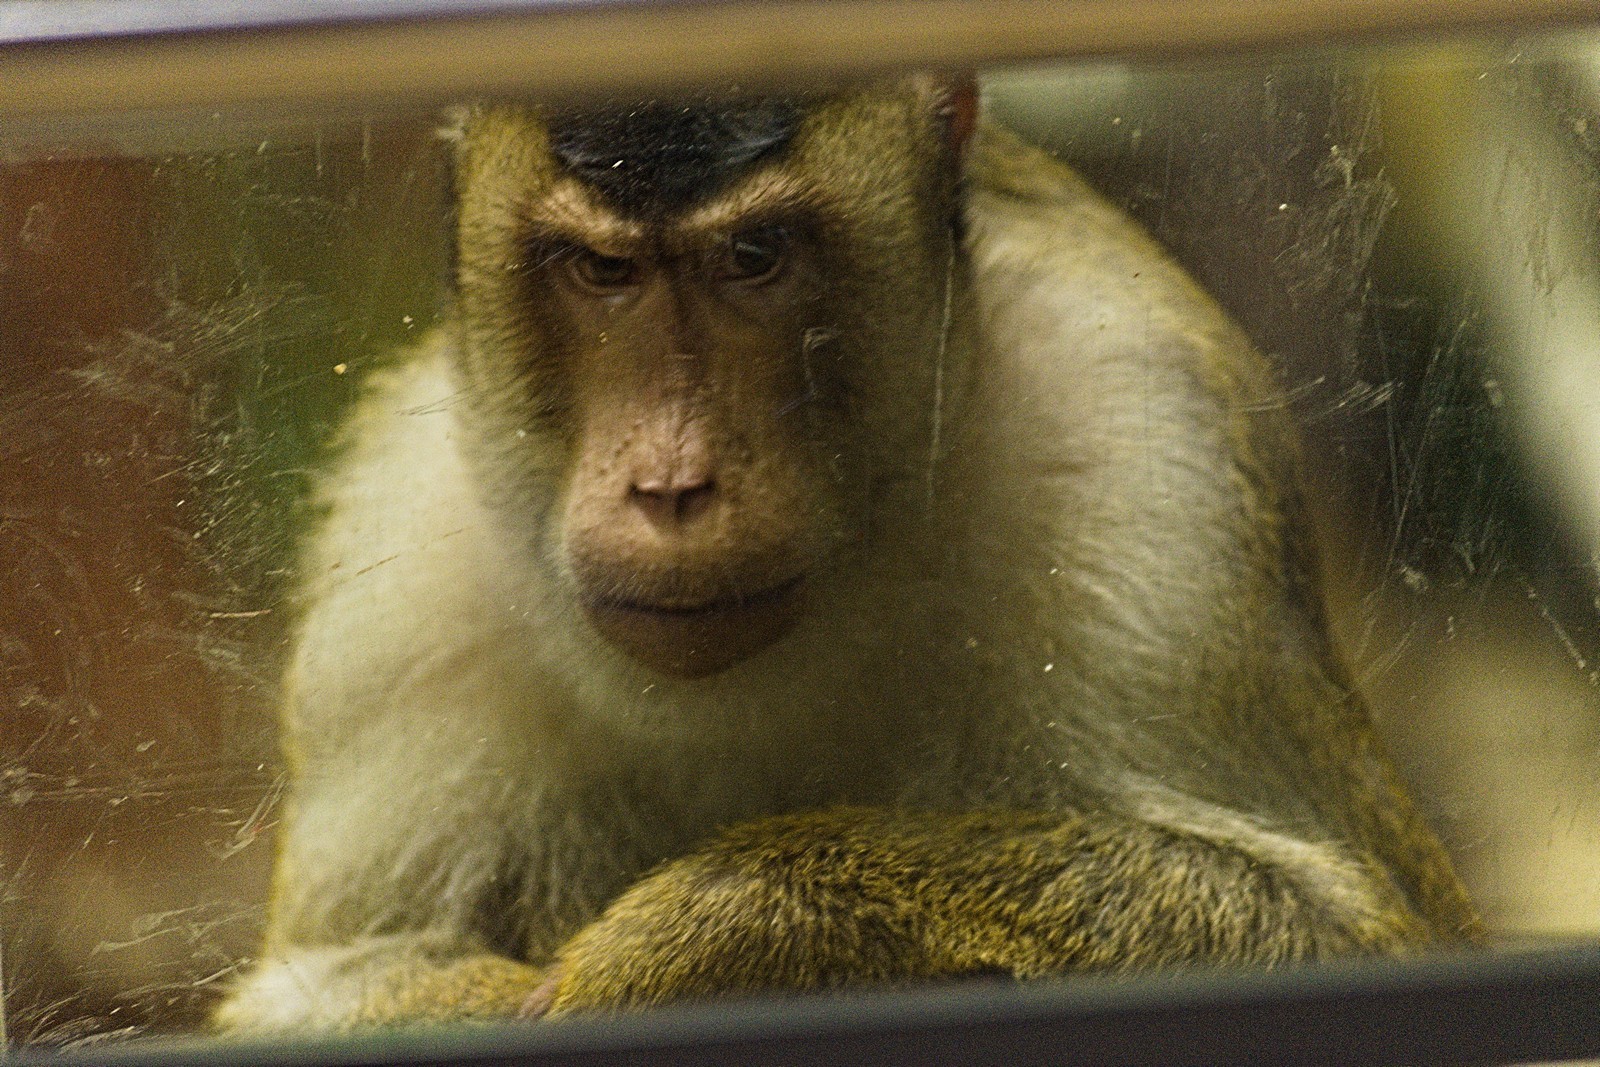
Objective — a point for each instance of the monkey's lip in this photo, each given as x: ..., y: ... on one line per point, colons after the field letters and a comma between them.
x: 739, y: 602
x: 691, y: 640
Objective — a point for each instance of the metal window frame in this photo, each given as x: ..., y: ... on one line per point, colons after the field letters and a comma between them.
x: 1439, y: 1011
x: 75, y: 56
x: 61, y: 60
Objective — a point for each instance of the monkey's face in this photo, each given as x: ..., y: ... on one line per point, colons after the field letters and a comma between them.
x: 698, y: 339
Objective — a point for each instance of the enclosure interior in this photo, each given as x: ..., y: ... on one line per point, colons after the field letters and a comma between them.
x: 189, y: 301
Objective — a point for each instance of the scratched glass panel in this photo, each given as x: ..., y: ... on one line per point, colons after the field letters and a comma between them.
x: 1411, y: 234
x: 187, y: 315
x: 186, y: 310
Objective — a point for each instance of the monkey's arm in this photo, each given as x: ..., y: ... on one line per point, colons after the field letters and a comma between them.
x: 387, y: 908
x: 410, y: 778
x: 380, y: 981
x: 855, y: 897
x: 390, y: 905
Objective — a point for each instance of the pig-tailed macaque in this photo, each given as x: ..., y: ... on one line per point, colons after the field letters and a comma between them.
x: 829, y: 545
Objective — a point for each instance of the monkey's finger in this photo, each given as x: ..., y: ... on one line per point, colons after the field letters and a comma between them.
x: 538, y: 1003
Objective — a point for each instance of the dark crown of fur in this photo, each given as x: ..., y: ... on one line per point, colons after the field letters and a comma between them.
x: 657, y: 157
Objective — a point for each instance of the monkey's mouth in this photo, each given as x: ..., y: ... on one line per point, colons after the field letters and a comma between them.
x: 717, y: 606
x: 691, y: 640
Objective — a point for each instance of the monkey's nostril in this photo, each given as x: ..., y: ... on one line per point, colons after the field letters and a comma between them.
x: 696, y: 500
x: 672, y: 502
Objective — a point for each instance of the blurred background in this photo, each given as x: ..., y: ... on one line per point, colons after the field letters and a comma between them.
x: 1410, y: 232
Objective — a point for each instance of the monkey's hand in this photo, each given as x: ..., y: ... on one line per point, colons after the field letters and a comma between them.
x: 852, y: 897
x: 382, y: 981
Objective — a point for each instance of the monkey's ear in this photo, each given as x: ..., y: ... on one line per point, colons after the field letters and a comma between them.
x: 959, y: 108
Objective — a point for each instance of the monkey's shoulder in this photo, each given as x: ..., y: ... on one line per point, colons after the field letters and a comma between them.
x: 396, y: 471
x: 1037, y: 225
x: 1105, y: 324
x: 401, y: 536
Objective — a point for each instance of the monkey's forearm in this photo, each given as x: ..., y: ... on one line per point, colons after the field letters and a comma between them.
x: 396, y: 980
x: 854, y: 896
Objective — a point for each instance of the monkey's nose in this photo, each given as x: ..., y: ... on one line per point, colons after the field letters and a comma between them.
x: 673, y: 501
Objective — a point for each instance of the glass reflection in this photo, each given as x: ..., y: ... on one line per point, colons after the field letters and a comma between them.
x: 1409, y: 233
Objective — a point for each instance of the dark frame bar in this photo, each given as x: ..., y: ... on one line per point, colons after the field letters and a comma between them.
x: 64, y: 57
x: 1466, y: 1009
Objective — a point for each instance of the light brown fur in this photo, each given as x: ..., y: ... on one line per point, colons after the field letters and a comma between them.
x: 1055, y: 693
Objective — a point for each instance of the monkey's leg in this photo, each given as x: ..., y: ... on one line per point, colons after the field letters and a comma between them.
x: 853, y: 897
x: 381, y: 981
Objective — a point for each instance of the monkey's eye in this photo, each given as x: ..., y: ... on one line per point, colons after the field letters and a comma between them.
x: 755, y: 255
x: 599, y: 271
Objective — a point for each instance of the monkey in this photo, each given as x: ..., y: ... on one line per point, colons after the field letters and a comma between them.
x: 826, y: 545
